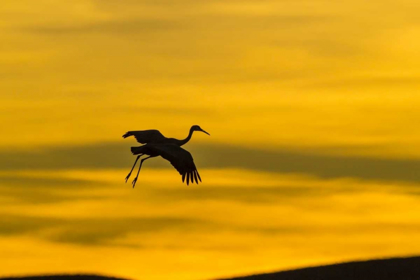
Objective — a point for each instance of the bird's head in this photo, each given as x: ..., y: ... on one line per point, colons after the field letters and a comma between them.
x: 198, y: 128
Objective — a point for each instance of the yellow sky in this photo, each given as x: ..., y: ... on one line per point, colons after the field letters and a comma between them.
x: 313, y: 157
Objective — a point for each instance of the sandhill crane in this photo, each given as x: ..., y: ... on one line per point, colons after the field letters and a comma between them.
x: 169, y: 148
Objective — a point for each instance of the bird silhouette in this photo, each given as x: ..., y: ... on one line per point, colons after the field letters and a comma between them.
x: 168, y: 148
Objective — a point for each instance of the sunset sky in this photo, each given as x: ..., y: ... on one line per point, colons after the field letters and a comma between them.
x: 313, y: 158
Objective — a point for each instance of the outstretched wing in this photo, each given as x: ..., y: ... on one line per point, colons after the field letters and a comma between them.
x: 146, y: 136
x: 180, y: 159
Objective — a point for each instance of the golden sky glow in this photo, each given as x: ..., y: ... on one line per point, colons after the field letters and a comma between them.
x: 313, y: 157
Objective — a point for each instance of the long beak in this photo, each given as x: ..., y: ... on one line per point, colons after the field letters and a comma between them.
x: 205, y: 132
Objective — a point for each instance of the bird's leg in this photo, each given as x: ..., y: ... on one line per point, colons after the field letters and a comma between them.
x: 141, y: 163
x: 129, y: 174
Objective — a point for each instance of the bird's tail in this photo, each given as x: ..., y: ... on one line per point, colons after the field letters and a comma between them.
x: 137, y: 150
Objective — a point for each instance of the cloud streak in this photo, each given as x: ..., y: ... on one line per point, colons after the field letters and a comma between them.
x: 239, y: 194
x: 128, y: 26
x: 91, y: 231
x: 38, y: 190
x: 117, y: 155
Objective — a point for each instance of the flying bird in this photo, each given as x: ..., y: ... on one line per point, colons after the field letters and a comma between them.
x: 168, y: 148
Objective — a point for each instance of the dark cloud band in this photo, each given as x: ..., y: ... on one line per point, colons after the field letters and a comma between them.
x: 117, y: 155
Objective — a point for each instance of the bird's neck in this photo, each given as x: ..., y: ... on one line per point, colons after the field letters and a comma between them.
x: 182, y: 142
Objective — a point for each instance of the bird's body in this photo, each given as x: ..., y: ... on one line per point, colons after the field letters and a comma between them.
x: 168, y: 148
x: 151, y: 136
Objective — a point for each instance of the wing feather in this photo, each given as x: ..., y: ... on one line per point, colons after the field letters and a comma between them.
x: 198, y: 174
x: 179, y: 158
x: 195, y: 176
x: 146, y: 136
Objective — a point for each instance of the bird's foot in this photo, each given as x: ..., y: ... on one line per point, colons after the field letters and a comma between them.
x: 128, y: 176
x: 134, y: 182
